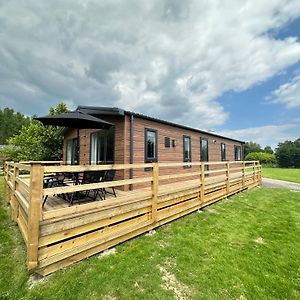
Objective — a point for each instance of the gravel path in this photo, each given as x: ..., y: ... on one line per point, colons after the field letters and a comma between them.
x: 273, y: 183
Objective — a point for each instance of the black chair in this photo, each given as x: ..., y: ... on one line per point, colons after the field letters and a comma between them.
x: 94, y: 177
x: 109, y: 176
x: 54, y: 181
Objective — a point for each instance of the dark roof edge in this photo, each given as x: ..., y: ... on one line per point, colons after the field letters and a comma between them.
x: 122, y: 112
x: 101, y: 110
x: 180, y: 126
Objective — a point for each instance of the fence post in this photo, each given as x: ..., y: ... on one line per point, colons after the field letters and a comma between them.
x: 154, y: 189
x: 243, y: 175
x: 14, y: 201
x: 202, y: 181
x: 34, y: 213
x: 260, y: 174
x: 5, y: 182
x: 227, y: 178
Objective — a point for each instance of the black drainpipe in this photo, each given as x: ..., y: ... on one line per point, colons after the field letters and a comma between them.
x: 131, y: 150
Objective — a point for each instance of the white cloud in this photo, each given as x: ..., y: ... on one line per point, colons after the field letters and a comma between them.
x: 288, y: 93
x: 170, y: 59
x: 269, y: 135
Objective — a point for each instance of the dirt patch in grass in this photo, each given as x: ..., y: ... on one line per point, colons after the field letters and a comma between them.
x: 259, y: 241
x: 171, y: 283
x: 35, y: 279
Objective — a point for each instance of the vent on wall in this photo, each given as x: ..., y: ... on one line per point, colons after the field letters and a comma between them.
x: 167, y: 142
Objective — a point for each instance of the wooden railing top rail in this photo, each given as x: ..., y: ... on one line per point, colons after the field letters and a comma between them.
x: 43, y: 162
x: 56, y: 166
x: 64, y: 168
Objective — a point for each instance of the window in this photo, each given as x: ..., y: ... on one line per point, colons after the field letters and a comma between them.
x: 204, y: 149
x: 72, y: 153
x: 102, y: 147
x: 237, y: 152
x: 150, y: 145
x: 204, y: 152
x: 223, y: 151
x: 167, y: 142
x: 187, y: 157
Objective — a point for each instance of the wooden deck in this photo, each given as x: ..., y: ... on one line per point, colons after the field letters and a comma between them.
x: 58, y: 235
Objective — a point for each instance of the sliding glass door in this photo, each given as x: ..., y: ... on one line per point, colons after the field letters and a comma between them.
x: 72, y: 153
x: 102, y: 147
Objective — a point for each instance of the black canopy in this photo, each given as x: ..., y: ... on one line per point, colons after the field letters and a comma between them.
x: 75, y: 119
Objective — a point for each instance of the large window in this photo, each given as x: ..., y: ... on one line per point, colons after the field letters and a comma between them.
x: 237, y: 152
x: 72, y: 153
x: 150, y: 145
x: 102, y: 147
x: 204, y: 152
x: 223, y: 151
x: 187, y: 148
x: 204, y: 149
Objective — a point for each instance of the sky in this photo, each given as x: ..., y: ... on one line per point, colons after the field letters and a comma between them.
x: 232, y: 67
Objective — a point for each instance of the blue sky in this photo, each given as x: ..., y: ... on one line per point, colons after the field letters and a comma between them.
x: 228, y: 66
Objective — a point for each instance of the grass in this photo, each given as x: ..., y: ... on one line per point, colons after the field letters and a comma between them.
x: 246, y: 247
x: 292, y: 175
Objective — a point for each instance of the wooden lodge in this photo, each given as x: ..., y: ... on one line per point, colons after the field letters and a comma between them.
x: 136, y: 138
x: 162, y: 171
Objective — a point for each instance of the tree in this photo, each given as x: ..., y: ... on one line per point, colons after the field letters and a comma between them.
x: 288, y: 154
x: 11, y: 124
x: 36, y: 141
x: 268, y: 149
x: 252, y: 147
x: 297, y: 153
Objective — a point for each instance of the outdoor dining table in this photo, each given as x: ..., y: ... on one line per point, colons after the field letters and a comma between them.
x: 78, y: 178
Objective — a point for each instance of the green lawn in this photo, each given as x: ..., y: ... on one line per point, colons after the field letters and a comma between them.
x: 246, y: 247
x: 292, y: 175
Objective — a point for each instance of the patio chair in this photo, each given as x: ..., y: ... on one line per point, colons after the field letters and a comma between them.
x: 54, y: 181
x: 94, y: 177
x: 109, y: 176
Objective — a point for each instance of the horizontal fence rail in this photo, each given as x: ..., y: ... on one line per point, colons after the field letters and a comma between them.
x: 164, y: 192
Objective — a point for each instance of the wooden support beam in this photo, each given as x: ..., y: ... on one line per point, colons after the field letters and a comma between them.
x: 154, y: 189
x: 14, y: 200
x: 243, y: 174
x: 202, y: 182
x: 34, y: 213
x: 227, y: 177
x: 6, y: 188
x: 260, y: 174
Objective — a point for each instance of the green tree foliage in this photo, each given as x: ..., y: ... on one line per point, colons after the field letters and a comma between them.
x: 11, y: 123
x: 263, y: 157
x: 252, y: 147
x: 36, y: 141
x: 268, y: 149
x: 288, y: 154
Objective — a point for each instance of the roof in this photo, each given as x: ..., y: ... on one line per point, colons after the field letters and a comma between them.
x: 96, y: 110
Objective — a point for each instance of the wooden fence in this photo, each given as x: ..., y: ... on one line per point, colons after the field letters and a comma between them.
x: 59, y: 237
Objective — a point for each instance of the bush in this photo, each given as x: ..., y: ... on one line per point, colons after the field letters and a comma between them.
x: 264, y: 158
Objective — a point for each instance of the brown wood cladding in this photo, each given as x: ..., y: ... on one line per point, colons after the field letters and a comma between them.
x: 171, y: 154
x: 175, y: 154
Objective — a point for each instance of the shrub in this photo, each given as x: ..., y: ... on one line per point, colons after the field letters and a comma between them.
x: 264, y: 158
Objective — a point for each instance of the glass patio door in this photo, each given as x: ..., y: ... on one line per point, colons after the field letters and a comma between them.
x: 72, y: 153
x: 102, y: 147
